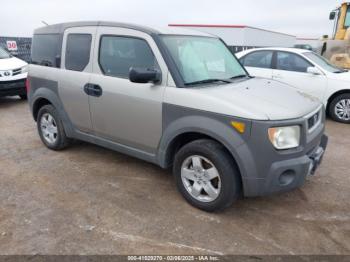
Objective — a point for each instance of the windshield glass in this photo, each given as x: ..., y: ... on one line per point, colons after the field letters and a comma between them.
x: 200, y: 59
x: 323, y: 62
x: 4, y: 54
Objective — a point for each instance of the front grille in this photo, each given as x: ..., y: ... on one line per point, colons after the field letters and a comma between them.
x: 314, y: 120
x: 20, y: 81
x: 16, y: 71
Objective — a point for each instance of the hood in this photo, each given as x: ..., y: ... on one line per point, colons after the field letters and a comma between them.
x: 341, y: 76
x: 11, y: 63
x: 256, y: 98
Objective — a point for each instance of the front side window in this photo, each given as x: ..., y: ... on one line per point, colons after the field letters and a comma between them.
x: 323, y: 63
x: 4, y: 54
x: 291, y: 62
x: 261, y: 59
x: 118, y: 54
x: 202, y: 58
x: 77, y: 51
x: 46, y: 50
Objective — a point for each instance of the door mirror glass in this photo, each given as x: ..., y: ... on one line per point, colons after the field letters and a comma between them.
x: 144, y: 75
x: 332, y: 15
x: 313, y: 70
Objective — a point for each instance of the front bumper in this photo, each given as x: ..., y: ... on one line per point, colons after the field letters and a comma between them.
x: 13, y: 88
x: 267, y: 170
x: 290, y: 174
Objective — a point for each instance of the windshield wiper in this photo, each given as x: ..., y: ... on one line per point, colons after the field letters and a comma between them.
x: 207, y: 81
x: 238, y: 76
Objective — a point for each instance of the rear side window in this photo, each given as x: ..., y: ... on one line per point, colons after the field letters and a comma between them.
x: 261, y: 59
x: 118, y: 54
x: 291, y: 62
x: 46, y: 50
x: 77, y: 51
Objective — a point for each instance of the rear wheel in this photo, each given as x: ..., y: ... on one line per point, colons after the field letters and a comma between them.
x: 50, y: 128
x: 339, y: 108
x: 206, y: 175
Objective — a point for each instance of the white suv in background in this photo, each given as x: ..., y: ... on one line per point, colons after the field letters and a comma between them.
x: 13, y: 75
x: 305, y: 70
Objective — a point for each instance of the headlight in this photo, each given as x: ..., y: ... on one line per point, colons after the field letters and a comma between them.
x: 24, y: 69
x: 285, y: 137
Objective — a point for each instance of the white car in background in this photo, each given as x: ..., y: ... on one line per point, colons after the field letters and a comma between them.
x: 13, y: 75
x: 305, y: 70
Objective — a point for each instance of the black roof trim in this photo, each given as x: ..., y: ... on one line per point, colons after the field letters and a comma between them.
x: 60, y: 28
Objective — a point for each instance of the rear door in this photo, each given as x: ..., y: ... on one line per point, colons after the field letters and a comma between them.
x: 258, y: 63
x: 76, y: 64
x: 291, y: 68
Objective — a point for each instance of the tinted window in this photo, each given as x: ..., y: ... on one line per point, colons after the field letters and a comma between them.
x: 260, y: 59
x: 46, y: 49
x: 118, y: 54
x: 78, y: 51
x: 291, y: 62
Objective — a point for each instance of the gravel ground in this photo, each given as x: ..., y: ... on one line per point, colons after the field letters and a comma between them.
x: 90, y: 200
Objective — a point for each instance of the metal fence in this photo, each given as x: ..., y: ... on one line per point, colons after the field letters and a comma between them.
x: 18, y: 46
x: 236, y: 49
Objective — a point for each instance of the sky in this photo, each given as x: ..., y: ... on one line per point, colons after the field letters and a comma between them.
x: 303, y: 18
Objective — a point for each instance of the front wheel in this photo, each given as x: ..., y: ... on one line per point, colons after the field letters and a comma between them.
x: 339, y: 109
x: 206, y: 175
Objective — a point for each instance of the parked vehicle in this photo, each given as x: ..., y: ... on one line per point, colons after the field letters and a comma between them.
x: 304, y: 46
x: 305, y: 70
x: 176, y: 98
x: 13, y: 75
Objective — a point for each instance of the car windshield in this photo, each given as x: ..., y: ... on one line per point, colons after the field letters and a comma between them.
x: 323, y: 63
x: 4, y: 54
x: 202, y: 60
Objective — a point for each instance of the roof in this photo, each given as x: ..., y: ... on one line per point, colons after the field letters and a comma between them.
x: 286, y: 49
x: 227, y: 26
x: 60, y: 28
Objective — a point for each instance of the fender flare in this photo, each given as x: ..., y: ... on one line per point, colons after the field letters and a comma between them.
x: 52, y: 97
x: 223, y: 133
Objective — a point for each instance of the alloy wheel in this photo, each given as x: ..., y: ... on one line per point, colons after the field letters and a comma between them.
x: 201, y: 178
x: 48, y: 128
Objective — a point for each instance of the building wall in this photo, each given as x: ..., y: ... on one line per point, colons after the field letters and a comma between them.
x: 264, y: 38
x: 240, y: 37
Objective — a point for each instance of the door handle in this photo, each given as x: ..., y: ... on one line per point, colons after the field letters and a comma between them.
x: 93, y: 90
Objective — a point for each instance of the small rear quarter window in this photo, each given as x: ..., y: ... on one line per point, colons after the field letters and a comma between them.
x: 46, y: 50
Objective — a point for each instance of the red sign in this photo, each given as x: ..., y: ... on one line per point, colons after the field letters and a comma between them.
x: 11, y: 45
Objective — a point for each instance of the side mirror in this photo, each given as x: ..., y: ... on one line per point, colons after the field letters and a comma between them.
x: 314, y: 70
x: 332, y: 15
x: 144, y: 75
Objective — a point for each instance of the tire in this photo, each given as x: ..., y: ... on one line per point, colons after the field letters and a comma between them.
x: 23, y: 97
x: 50, y: 128
x: 337, y: 106
x: 211, y: 154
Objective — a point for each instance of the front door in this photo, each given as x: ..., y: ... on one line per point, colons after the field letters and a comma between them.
x: 123, y: 112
